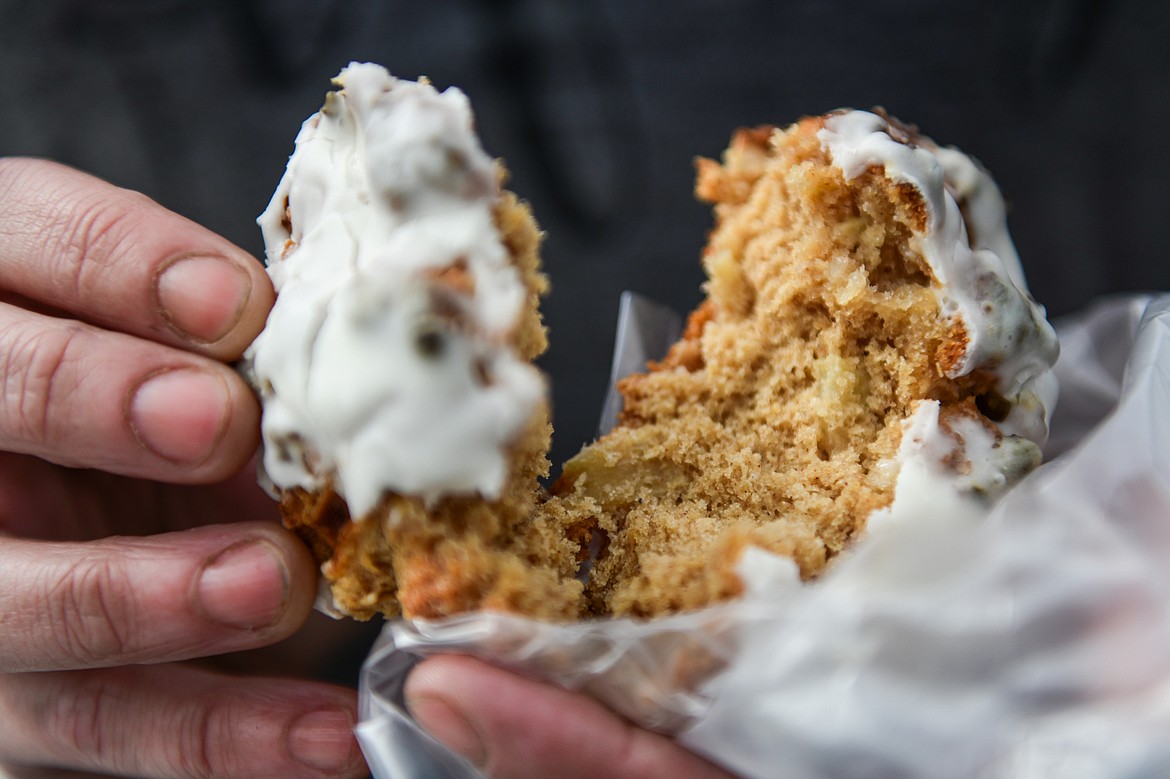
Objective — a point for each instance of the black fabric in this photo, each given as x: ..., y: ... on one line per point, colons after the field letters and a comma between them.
x: 600, y: 105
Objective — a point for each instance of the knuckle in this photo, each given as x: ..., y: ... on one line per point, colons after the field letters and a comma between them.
x: 76, y: 225
x: 80, y: 719
x: 202, y: 747
x: 91, y: 614
x: 99, y: 719
x: 90, y: 234
x: 33, y: 362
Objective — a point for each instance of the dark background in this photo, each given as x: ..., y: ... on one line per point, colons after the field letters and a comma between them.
x: 599, y: 108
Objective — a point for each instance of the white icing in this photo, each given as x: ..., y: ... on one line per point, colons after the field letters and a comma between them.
x: 921, y: 489
x: 980, y: 280
x: 373, y: 372
x: 943, y: 467
x: 767, y: 574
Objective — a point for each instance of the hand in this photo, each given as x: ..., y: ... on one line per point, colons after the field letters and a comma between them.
x: 129, y: 532
x: 515, y: 728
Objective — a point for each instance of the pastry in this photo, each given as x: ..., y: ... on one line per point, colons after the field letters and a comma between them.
x: 866, y: 320
x: 404, y: 426
x: 865, y: 308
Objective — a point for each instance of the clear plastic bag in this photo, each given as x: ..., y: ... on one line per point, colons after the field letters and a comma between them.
x: 1031, y: 641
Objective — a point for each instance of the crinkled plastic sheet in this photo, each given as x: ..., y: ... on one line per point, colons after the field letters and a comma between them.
x: 1031, y: 641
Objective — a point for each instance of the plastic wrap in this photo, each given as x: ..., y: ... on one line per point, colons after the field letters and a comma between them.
x: 1029, y: 641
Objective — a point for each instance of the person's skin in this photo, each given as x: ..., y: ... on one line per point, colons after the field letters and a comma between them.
x: 133, y: 535
x: 515, y: 728
x: 117, y: 320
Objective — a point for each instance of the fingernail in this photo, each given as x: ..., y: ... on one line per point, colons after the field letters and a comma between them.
x: 180, y: 414
x: 244, y: 586
x: 202, y: 297
x: 449, y: 725
x: 323, y: 740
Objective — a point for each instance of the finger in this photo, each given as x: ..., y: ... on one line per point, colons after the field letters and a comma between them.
x: 15, y: 771
x: 147, y: 600
x: 176, y: 721
x: 324, y: 648
x: 43, y: 501
x: 80, y: 396
x: 515, y: 728
x: 118, y: 259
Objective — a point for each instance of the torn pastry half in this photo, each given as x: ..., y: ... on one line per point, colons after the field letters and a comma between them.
x: 866, y: 320
x: 404, y: 427
x: 867, y: 344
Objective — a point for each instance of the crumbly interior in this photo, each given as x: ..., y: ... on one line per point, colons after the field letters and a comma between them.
x: 772, y: 422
